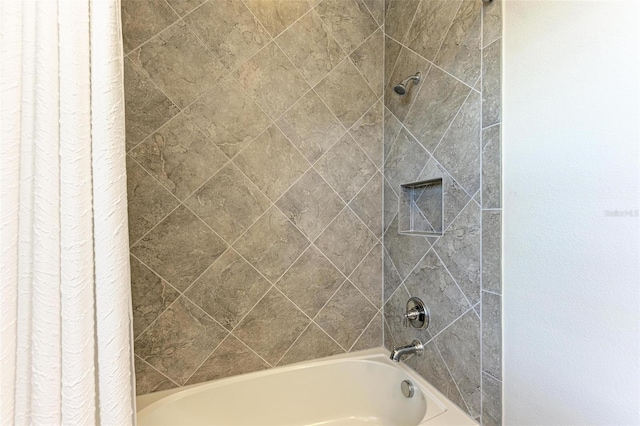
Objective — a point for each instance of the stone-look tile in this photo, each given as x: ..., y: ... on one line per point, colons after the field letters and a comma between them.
x: 179, y: 248
x: 431, y: 282
x: 271, y: 80
x: 368, y: 132
x: 389, y: 343
x: 228, y: 289
x: 390, y: 205
x: 454, y: 197
x: 491, y: 401
x: 231, y: 358
x: 340, y: 311
x: 182, y: 7
x: 491, y: 85
x: 349, y: 21
x: 367, y: 205
x: 491, y: 168
x: 313, y: 343
x: 179, y: 64
x: 460, y: 51
x: 433, y: 19
x: 149, y: 380
x: 272, y: 326
x: 311, y: 47
x: 491, y: 250
x: 369, y: 59
x: 150, y: 296
x: 408, y: 64
x: 460, y: 347
x: 346, y: 93
x: 368, y: 276
x: 311, y: 126
x: 272, y: 163
x: 180, y: 340
x: 310, y: 281
x: 491, y: 21
x: 228, y: 116
x: 229, y: 203
x: 376, y: 7
x: 272, y: 244
x: 405, y: 161
x: 431, y: 366
x: 229, y: 29
x: 148, y: 201
x: 310, y: 204
x: 346, y: 168
x: 459, y: 250
x: 142, y: 19
x: 391, y: 130
x: 391, y: 278
x: 146, y: 108
x: 371, y: 337
x: 179, y: 156
x: 276, y: 15
x: 438, y: 102
x: 492, y: 334
x: 459, y: 149
x: 346, y: 241
x: 394, y: 310
x: 391, y: 51
x: 399, y: 16
x: 404, y: 250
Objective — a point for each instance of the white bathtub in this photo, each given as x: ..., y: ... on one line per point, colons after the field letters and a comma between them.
x: 351, y: 389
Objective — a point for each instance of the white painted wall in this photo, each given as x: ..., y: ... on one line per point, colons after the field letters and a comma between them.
x: 571, y: 153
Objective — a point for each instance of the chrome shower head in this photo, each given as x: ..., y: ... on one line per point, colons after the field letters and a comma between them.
x: 400, y: 89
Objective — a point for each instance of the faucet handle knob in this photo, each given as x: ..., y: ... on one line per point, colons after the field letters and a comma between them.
x: 412, y: 314
x: 417, y: 314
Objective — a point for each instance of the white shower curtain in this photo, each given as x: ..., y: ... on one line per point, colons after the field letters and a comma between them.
x: 66, y: 347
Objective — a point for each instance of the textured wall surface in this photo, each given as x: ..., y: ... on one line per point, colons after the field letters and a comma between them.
x: 447, y: 127
x: 254, y: 137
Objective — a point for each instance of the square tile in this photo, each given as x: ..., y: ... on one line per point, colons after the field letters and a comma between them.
x: 368, y: 132
x: 272, y: 163
x: 142, y: 19
x: 391, y: 278
x: 404, y: 250
x: 430, y: 26
x: 313, y: 343
x: 229, y: 29
x: 405, y: 161
x: 179, y: 248
x: 349, y: 21
x: 391, y: 51
x: 371, y: 337
x: 346, y: 93
x: 228, y: 117
x: 229, y: 203
x: 179, y: 64
x: 150, y: 296
x: 390, y: 205
x: 272, y: 326
x: 346, y: 168
x: 180, y: 340
x: 311, y: 126
x: 228, y: 289
x: 231, y: 358
x: 272, y: 244
x: 346, y: 241
x: 369, y: 59
x: 399, y: 16
x: 310, y: 204
x: 271, y: 80
x: 276, y: 15
x: 376, y: 8
x: 310, y: 281
x: 391, y: 129
x: 311, y: 47
x: 182, y: 7
x: 149, y: 202
x: 179, y: 156
x: 146, y: 108
x: 340, y: 311
x: 367, y: 205
x: 149, y: 379
x: 408, y: 63
x: 367, y: 277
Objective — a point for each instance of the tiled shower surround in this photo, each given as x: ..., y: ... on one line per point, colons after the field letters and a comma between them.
x: 263, y: 137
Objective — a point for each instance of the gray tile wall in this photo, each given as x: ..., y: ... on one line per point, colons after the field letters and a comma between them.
x: 447, y: 127
x: 255, y: 138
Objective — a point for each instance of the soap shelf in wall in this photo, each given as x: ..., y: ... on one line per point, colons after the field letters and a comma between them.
x: 420, y: 208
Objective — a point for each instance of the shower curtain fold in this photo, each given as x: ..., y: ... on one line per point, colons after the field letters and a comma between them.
x: 65, y: 330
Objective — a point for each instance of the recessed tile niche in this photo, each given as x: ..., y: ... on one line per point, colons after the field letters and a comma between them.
x: 420, y: 209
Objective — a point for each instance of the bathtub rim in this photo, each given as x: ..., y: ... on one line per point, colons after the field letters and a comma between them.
x: 452, y: 414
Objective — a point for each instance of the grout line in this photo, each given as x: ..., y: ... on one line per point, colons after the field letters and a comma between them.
x: 451, y: 375
x: 207, y: 357
x: 292, y: 344
x: 363, y: 331
x: 491, y: 376
x: 155, y: 369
